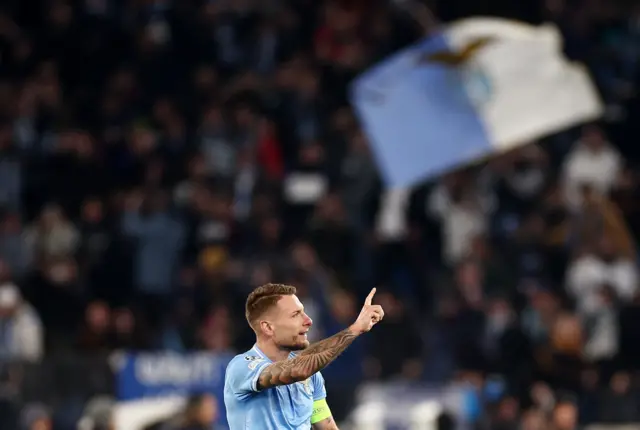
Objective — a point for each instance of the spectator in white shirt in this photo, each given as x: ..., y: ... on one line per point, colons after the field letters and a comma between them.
x: 21, y: 332
x: 590, y: 271
x: 602, y: 328
x: 593, y: 162
x: 463, y: 216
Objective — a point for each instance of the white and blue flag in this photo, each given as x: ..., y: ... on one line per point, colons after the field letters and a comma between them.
x: 479, y: 87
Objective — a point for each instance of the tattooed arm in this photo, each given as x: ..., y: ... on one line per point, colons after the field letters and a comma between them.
x: 312, y: 360
x: 320, y: 354
x: 328, y: 424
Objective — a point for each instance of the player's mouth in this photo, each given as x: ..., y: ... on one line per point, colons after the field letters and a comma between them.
x: 304, y: 333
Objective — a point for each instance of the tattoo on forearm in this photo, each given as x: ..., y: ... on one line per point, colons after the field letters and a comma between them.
x: 310, y: 361
x: 328, y: 424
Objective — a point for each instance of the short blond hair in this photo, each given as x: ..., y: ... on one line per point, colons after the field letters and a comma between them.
x: 264, y: 298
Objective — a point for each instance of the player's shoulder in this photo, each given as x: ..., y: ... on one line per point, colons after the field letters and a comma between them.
x: 247, y: 360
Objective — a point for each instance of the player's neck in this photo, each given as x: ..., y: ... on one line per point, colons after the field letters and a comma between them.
x: 272, y: 351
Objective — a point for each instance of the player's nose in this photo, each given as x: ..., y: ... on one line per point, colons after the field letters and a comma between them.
x: 308, y: 322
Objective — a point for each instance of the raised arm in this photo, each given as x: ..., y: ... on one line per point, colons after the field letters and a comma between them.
x: 320, y: 354
x: 314, y: 359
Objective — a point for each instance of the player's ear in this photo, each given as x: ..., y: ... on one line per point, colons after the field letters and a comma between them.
x: 266, y: 327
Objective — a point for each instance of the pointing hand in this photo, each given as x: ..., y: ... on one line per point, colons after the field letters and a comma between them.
x: 369, y: 316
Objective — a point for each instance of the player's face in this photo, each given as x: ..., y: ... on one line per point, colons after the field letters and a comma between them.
x: 291, y: 324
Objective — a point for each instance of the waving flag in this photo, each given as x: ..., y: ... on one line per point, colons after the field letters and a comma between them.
x: 479, y: 87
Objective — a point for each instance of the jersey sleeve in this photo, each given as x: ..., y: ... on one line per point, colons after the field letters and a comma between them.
x: 243, y: 373
x: 319, y: 390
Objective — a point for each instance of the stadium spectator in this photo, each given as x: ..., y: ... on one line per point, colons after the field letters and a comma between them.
x: 94, y: 335
x: 36, y: 417
x: 98, y: 414
x: 159, y: 159
x: 619, y: 405
x: 22, y: 332
x: 200, y: 413
x: 594, y: 163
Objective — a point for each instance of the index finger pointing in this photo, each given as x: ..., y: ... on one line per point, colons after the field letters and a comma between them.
x: 367, y: 301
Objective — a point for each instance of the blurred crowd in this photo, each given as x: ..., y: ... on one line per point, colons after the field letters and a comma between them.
x: 159, y: 159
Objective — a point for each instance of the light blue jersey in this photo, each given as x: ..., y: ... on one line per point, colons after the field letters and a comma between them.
x: 277, y: 408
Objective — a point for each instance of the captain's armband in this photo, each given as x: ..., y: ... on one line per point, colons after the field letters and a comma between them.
x: 321, y: 411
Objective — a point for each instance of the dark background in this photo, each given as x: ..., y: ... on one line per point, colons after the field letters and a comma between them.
x: 147, y: 154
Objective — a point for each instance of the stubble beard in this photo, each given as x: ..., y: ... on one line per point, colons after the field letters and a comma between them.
x: 295, y: 345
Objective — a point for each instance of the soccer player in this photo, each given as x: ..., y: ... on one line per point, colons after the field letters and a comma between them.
x: 271, y: 387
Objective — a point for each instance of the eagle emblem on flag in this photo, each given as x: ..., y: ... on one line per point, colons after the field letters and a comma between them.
x: 459, y: 58
x: 468, y: 74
